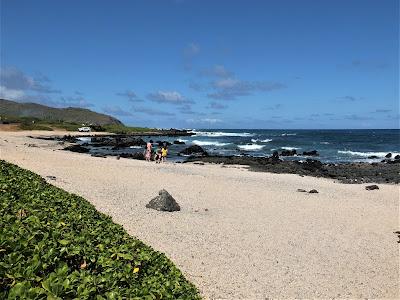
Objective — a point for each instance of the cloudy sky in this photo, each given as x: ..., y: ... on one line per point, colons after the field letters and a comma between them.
x: 207, y: 64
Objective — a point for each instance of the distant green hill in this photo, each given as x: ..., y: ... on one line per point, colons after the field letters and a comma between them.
x: 70, y: 114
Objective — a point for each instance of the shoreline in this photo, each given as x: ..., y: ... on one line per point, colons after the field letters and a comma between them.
x: 239, y: 234
x: 386, y: 171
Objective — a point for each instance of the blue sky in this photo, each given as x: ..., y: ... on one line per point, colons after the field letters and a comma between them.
x: 208, y: 64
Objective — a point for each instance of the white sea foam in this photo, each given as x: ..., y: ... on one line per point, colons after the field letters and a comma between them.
x: 135, y: 147
x: 366, y: 154
x: 220, y: 133
x: 325, y: 143
x: 209, y: 143
x: 252, y: 147
x: 182, y: 140
x: 262, y: 141
x: 288, y: 134
x: 85, y: 139
x: 290, y: 148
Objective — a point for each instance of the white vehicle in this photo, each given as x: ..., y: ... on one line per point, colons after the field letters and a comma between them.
x: 84, y: 129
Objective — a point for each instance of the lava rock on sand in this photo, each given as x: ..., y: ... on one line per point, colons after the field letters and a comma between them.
x: 372, y: 187
x: 194, y: 150
x: 77, y: 148
x: 163, y: 202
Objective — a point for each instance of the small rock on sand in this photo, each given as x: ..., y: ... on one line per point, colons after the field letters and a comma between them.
x: 313, y: 192
x: 372, y: 187
x: 163, y: 202
x: 301, y: 190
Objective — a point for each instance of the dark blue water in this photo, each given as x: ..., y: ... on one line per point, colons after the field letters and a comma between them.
x: 332, y: 145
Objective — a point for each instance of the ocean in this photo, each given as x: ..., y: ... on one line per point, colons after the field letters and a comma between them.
x: 332, y: 145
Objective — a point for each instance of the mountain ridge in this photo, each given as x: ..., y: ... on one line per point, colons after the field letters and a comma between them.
x: 67, y: 114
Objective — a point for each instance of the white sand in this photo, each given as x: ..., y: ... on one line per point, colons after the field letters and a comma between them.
x: 259, y: 238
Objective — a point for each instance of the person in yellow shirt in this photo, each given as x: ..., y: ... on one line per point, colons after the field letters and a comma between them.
x: 164, y: 152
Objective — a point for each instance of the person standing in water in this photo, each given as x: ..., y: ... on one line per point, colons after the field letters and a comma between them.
x: 149, y: 146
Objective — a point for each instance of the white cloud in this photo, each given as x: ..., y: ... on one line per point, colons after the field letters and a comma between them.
x: 11, y: 94
x: 169, y: 97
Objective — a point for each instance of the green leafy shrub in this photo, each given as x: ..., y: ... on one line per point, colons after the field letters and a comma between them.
x: 55, y: 245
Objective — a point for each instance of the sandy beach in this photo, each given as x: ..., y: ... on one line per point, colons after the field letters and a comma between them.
x: 239, y: 234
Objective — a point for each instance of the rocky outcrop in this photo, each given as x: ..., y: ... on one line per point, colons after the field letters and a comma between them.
x: 179, y: 143
x: 163, y: 202
x: 311, y: 153
x: 289, y: 152
x: 194, y: 150
x: 389, y: 155
x: 77, y: 148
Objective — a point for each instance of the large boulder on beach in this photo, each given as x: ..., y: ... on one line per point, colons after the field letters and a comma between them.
x: 194, y: 150
x: 77, y: 148
x: 397, y: 157
x: 311, y: 153
x: 389, y: 155
x: 163, y: 202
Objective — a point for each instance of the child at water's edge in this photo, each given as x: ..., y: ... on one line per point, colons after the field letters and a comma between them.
x: 164, y: 152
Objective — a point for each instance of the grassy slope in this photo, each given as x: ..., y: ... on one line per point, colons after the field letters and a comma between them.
x: 55, y: 244
x: 51, y: 114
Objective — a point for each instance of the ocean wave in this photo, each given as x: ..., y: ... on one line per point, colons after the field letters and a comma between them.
x: 288, y: 134
x: 135, y: 147
x: 262, y: 141
x: 290, y: 148
x: 252, y: 147
x: 220, y: 133
x: 85, y: 139
x: 182, y: 140
x: 324, y: 143
x: 367, y: 154
x: 210, y: 143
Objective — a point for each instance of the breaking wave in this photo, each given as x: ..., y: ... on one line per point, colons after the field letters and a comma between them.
x: 210, y: 143
x: 252, y: 147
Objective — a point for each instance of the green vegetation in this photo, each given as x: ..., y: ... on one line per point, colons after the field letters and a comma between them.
x: 55, y: 245
x: 51, y: 114
x: 29, y: 123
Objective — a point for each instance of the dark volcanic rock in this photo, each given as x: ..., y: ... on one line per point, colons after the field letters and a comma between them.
x: 389, y: 155
x: 179, y: 143
x: 311, y: 165
x: 289, y: 152
x: 162, y: 143
x: 372, y: 187
x: 311, y: 153
x: 163, y: 202
x: 77, y: 148
x: 397, y: 157
x: 194, y: 150
x: 99, y: 155
x: 137, y: 155
x: 372, y: 157
x: 354, y: 173
x: 301, y: 191
x: 313, y: 192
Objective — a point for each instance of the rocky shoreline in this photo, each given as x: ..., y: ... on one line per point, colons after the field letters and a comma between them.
x: 387, y: 171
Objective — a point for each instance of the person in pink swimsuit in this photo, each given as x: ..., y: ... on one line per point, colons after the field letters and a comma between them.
x: 149, y: 146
